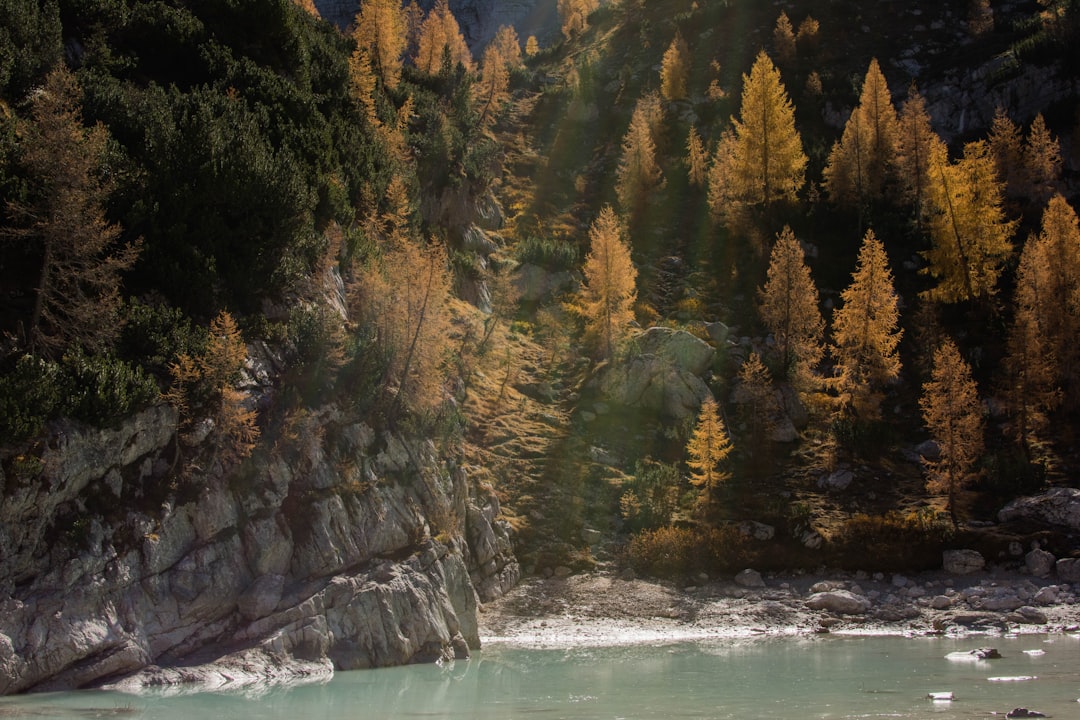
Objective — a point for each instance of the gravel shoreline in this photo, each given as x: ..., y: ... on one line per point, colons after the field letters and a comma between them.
x: 603, y: 609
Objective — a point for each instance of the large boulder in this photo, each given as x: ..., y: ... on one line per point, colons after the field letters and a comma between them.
x: 962, y: 562
x: 839, y: 601
x: 1068, y: 570
x: 1039, y: 563
x: 1057, y: 506
x: 679, y: 348
x: 661, y: 374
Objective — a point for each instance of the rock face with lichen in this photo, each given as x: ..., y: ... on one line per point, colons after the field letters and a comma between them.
x: 339, y: 547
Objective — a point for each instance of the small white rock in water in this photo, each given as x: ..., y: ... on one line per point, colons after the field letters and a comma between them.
x: 1012, y: 678
x: 983, y: 653
x: 944, y: 696
x: 1034, y: 653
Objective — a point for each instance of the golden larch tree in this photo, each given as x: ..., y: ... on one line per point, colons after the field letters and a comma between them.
x: 380, y: 28
x: 509, y: 46
x: 970, y: 237
x: 610, y: 290
x: 440, y: 35
x: 1032, y: 371
x: 1006, y: 147
x: 953, y: 414
x: 675, y: 69
x: 859, y: 163
x: 207, y: 382
x: 721, y: 176
x: 769, y: 164
x: 80, y: 257
x: 493, y: 88
x: 574, y: 15
x: 1051, y: 291
x: 1042, y: 162
x: 784, y: 39
x: 708, y: 447
x: 918, y: 150
x: 532, y: 47
x: 788, y: 305
x: 403, y: 298
x: 807, y: 35
x: 362, y: 83
x: 697, y: 158
x: 866, y: 333
x: 638, y: 172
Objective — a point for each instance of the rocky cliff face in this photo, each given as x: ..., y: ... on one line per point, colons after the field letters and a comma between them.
x: 343, y: 548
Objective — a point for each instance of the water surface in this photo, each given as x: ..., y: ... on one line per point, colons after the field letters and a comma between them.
x: 813, y: 677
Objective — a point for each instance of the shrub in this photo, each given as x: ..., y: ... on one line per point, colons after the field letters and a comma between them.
x: 548, y: 253
x: 893, y: 541
x: 105, y: 389
x: 673, y: 551
x: 29, y: 396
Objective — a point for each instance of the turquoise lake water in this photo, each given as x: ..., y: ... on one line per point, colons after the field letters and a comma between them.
x: 815, y: 677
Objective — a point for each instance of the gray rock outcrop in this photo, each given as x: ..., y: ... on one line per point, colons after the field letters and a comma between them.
x: 662, y: 373
x: 338, y: 548
x: 1058, y: 506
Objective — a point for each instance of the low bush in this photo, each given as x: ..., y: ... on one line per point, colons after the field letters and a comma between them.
x: 548, y: 253
x: 675, y: 551
x: 893, y: 541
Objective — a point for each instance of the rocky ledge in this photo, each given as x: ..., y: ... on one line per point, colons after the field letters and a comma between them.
x: 333, y: 547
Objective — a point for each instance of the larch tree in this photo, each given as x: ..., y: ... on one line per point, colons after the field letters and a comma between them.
x: 697, y: 158
x: 509, y: 46
x: 788, y: 305
x: 675, y: 69
x: 440, y: 34
x: 207, y: 382
x: 638, y: 172
x: 1050, y: 290
x: 610, y: 290
x: 707, y: 449
x: 532, y: 47
x: 980, y: 17
x: 953, y: 414
x: 721, y: 174
x: 1006, y: 147
x: 918, y: 150
x: 362, y: 83
x: 493, y: 88
x: 81, y: 258
x: 859, y: 163
x: 756, y: 399
x: 1042, y: 162
x: 1032, y: 372
x: 784, y: 39
x: 402, y: 298
x: 380, y: 27
x: 807, y: 35
x: 574, y: 15
x: 769, y: 164
x: 866, y: 333
x: 970, y: 237
x: 414, y: 20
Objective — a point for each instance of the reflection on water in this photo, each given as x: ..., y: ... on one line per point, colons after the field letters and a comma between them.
x: 812, y: 677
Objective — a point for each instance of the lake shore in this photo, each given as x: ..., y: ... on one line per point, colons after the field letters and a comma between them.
x: 604, y: 609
